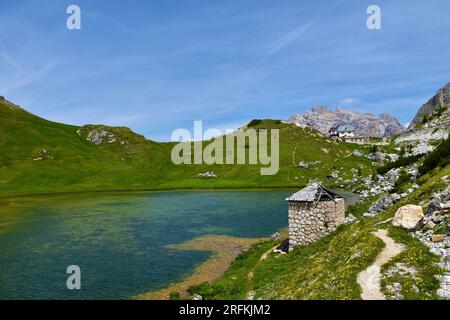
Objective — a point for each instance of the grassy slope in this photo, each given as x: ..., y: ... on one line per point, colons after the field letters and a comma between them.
x: 328, y: 269
x: 74, y: 164
x: 235, y: 283
x: 324, y: 270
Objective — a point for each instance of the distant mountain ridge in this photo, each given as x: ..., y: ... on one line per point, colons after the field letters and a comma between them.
x: 366, y: 124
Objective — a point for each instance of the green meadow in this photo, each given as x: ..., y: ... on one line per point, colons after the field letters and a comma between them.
x: 38, y: 156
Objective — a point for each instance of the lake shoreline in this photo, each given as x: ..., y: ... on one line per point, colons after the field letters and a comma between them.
x: 152, y: 190
x: 225, y: 250
x: 138, y: 191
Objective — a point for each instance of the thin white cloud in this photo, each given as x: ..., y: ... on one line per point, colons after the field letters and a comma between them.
x: 298, y: 31
x: 290, y: 36
x: 19, y: 75
x: 21, y: 79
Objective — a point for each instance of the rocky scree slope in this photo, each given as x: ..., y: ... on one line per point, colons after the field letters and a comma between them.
x: 429, y: 126
x: 439, y: 100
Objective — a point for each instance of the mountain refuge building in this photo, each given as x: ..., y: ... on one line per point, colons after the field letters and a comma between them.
x: 314, y: 212
x: 342, y: 131
x: 346, y: 132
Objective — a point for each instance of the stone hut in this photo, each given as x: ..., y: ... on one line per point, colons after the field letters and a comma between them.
x: 314, y: 212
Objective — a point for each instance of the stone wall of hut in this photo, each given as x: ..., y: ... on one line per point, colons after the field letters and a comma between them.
x: 310, y: 221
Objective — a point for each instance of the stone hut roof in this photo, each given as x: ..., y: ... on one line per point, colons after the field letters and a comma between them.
x: 314, y: 192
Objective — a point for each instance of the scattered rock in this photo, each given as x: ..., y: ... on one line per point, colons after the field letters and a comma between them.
x: 437, y: 217
x: 437, y: 238
x: 421, y: 148
x: 430, y: 225
x: 354, y: 256
x: 399, y: 269
x: 402, y: 269
x: 381, y: 204
x: 42, y: 154
x: 251, y: 295
x: 99, y: 134
x: 442, y: 196
x: 386, y: 183
x: 433, y: 207
x: 208, y: 174
x: 381, y: 157
x: 197, y: 297
x: 307, y: 165
x: 438, y: 244
x: 350, y: 218
x: 440, y: 249
x: 395, y: 291
x: 276, y: 236
x: 444, y: 290
x: 98, y: 137
x: 408, y: 217
x: 357, y: 153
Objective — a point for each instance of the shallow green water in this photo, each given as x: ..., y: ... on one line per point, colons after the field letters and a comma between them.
x: 119, y: 240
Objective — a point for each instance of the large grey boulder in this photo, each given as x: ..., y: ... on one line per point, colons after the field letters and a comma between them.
x: 408, y: 217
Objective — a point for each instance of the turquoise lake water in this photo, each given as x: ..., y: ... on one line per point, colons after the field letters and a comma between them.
x: 119, y: 240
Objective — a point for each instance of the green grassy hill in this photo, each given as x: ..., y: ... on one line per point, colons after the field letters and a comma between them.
x: 39, y: 156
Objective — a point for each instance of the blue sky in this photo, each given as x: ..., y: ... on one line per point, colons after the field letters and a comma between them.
x: 159, y: 65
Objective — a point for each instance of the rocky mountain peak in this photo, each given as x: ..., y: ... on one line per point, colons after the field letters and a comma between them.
x: 366, y: 124
x: 320, y: 109
x: 430, y: 125
x: 440, y: 101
